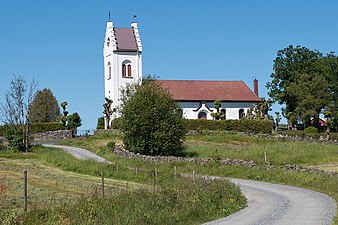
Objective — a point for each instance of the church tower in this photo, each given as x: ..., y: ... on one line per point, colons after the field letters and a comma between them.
x: 122, y: 54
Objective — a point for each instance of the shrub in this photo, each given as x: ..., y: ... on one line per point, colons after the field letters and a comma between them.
x: 152, y: 122
x: 244, y: 125
x: 44, y: 127
x: 116, y: 124
x: 311, y: 130
x: 111, y: 145
x: 100, y: 123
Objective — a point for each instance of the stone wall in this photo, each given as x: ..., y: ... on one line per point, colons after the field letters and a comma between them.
x: 119, y: 151
x: 53, y: 135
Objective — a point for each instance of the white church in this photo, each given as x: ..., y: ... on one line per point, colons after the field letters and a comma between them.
x: 122, y: 54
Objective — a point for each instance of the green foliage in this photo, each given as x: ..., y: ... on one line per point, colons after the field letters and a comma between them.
x: 243, y: 125
x: 44, y: 107
x: 44, y: 127
x: 306, y: 82
x: 14, y: 137
x: 311, y: 130
x: 218, y: 114
x: 73, y: 122
x: 100, y: 123
x: 152, y: 122
x: 116, y: 124
x: 36, y: 128
x: 63, y: 118
x: 111, y: 145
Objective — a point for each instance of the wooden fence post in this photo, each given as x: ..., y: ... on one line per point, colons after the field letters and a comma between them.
x: 102, y: 182
x: 175, y: 172
x: 154, y: 182
x: 193, y: 176
x: 25, y: 190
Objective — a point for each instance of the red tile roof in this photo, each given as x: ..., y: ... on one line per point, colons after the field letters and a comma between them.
x: 198, y: 90
x: 125, y: 39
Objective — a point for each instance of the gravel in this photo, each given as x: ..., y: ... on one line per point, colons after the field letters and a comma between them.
x: 79, y: 153
x: 280, y: 204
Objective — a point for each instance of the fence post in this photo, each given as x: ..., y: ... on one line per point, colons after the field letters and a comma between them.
x: 154, y: 182
x: 102, y: 181
x: 175, y: 173
x: 156, y: 173
x: 265, y: 158
x: 193, y: 176
x: 25, y: 189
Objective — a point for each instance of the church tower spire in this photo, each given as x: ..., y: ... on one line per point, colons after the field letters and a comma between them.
x: 122, y: 53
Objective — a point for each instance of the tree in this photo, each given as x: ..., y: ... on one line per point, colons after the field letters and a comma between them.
x: 306, y: 82
x: 63, y: 118
x: 15, y: 112
x: 260, y: 110
x: 152, y: 121
x: 108, y: 112
x: 44, y: 107
x: 311, y: 94
x: 73, y: 122
x: 218, y: 114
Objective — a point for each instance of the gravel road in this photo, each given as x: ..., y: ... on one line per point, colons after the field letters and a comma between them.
x: 273, y: 204
x: 268, y: 204
x: 79, y: 153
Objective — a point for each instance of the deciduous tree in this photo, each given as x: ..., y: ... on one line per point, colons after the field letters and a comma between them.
x: 15, y: 112
x: 152, y: 121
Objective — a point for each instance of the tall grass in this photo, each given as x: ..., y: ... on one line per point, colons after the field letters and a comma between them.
x: 176, y: 201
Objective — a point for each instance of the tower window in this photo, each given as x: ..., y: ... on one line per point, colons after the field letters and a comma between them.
x: 129, y: 70
x: 109, y: 71
x: 126, y: 69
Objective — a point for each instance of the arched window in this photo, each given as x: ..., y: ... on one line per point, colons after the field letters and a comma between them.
x: 126, y: 69
x: 241, y: 113
x: 129, y: 70
x: 202, y: 115
x: 109, y: 71
x: 124, y: 72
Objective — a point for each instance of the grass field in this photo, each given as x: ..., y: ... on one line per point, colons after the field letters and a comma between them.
x: 234, y: 146
x: 76, y: 175
x: 64, y: 190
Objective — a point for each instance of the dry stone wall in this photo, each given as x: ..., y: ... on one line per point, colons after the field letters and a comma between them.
x: 121, y: 152
x: 53, y: 135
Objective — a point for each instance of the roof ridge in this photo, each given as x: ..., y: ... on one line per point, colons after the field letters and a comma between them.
x: 204, y: 80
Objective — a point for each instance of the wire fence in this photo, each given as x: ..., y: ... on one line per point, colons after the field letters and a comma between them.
x: 25, y: 190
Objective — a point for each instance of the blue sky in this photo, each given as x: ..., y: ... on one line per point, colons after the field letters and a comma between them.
x: 60, y: 42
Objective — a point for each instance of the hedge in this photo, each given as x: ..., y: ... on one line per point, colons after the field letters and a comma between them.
x: 37, y: 127
x: 243, y: 125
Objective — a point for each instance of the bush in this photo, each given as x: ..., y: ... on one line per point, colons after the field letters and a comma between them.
x: 111, y: 146
x: 244, y: 125
x: 116, y: 124
x: 100, y: 123
x: 44, y: 127
x: 311, y: 130
x: 152, y: 122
